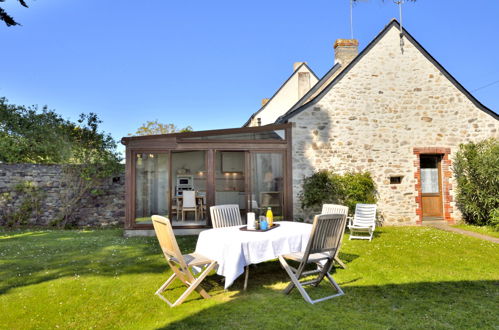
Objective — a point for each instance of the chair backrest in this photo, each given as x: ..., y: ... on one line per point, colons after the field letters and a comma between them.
x: 189, y: 198
x: 225, y: 215
x: 326, y: 234
x: 334, y: 209
x: 365, y: 215
x: 167, y: 241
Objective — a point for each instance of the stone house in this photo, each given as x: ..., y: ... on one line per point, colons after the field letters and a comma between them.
x: 391, y: 109
x: 394, y: 111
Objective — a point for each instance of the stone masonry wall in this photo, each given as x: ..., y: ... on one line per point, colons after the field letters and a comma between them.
x: 106, y: 209
x: 378, y: 118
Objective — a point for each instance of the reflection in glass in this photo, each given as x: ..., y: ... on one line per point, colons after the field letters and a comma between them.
x: 229, y: 179
x: 151, y: 186
x: 267, y: 182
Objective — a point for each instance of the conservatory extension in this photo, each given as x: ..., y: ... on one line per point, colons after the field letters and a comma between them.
x: 181, y: 175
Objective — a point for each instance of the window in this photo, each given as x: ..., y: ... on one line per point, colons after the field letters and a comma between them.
x: 395, y: 180
x: 262, y: 135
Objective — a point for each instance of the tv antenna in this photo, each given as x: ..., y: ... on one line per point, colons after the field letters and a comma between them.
x: 400, y: 3
x: 352, y: 2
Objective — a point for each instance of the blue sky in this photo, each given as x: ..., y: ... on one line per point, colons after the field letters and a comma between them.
x: 208, y: 64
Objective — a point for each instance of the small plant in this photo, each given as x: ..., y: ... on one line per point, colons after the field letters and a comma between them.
x: 30, y: 196
x: 327, y: 187
x: 476, y: 169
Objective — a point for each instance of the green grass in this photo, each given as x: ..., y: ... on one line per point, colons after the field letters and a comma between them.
x: 407, y: 277
x: 484, y: 230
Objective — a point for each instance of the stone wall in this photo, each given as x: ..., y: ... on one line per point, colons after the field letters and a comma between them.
x: 378, y: 117
x: 107, y: 208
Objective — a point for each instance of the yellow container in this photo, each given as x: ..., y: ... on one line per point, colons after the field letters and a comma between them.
x: 270, y: 217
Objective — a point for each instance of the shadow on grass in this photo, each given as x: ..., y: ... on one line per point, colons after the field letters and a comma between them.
x: 462, y: 304
x: 28, y: 258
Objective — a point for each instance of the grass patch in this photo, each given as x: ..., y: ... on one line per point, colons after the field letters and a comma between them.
x: 484, y: 230
x: 407, y: 277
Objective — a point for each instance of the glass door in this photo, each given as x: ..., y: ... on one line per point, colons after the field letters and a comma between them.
x: 267, y: 183
x: 230, y: 179
x: 189, y: 188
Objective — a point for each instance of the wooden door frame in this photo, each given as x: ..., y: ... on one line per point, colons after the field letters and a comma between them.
x: 445, y: 175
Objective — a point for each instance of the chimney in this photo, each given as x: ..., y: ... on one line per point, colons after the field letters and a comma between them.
x: 303, y: 83
x: 345, y: 50
x: 264, y: 101
x: 297, y: 64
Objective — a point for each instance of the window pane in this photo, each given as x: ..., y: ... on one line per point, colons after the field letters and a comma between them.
x: 265, y: 135
x: 229, y: 179
x: 267, y: 183
x: 429, y: 181
x: 151, y: 186
x: 189, y: 174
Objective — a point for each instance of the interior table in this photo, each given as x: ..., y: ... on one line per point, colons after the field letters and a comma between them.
x: 233, y: 249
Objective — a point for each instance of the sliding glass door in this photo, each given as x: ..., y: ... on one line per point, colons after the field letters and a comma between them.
x: 230, y: 179
x: 151, y: 186
x: 267, y: 183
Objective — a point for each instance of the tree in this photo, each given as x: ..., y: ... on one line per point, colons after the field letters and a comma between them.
x: 155, y: 127
x: 28, y: 135
x: 9, y: 20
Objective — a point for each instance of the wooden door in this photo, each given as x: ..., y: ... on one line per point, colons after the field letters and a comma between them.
x: 431, y: 186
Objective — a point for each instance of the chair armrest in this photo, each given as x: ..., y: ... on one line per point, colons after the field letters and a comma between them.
x: 349, y: 221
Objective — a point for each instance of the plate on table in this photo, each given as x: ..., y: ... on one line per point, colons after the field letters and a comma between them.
x: 245, y: 228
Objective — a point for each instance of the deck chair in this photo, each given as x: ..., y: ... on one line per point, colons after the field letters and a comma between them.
x: 227, y: 216
x: 336, y: 209
x: 363, y: 221
x: 324, y: 241
x: 180, y: 264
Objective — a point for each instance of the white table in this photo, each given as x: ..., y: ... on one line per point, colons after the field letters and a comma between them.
x: 233, y: 249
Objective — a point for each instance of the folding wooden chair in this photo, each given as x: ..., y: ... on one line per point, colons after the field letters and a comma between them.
x: 324, y: 241
x: 227, y: 216
x: 336, y: 209
x: 180, y: 264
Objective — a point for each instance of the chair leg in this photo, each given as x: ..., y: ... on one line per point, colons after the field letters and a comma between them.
x: 166, y: 284
x: 194, y: 285
x: 295, y: 279
x: 339, y: 262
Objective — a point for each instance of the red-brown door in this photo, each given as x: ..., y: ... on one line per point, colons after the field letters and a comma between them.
x: 431, y: 186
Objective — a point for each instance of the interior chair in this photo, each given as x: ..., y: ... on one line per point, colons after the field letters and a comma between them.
x: 324, y: 242
x: 337, y: 209
x: 189, y: 203
x: 228, y: 216
x: 363, y: 221
x: 174, y: 209
x: 180, y: 264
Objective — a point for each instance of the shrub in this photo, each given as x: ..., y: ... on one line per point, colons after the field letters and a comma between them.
x: 494, y: 219
x: 476, y: 169
x: 328, y: 187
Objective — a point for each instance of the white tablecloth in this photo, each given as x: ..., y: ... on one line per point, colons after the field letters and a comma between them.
x: 233, y: 249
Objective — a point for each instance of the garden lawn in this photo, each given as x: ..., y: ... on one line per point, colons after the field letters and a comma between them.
x: 484, y: 230
x: 407, y: 277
